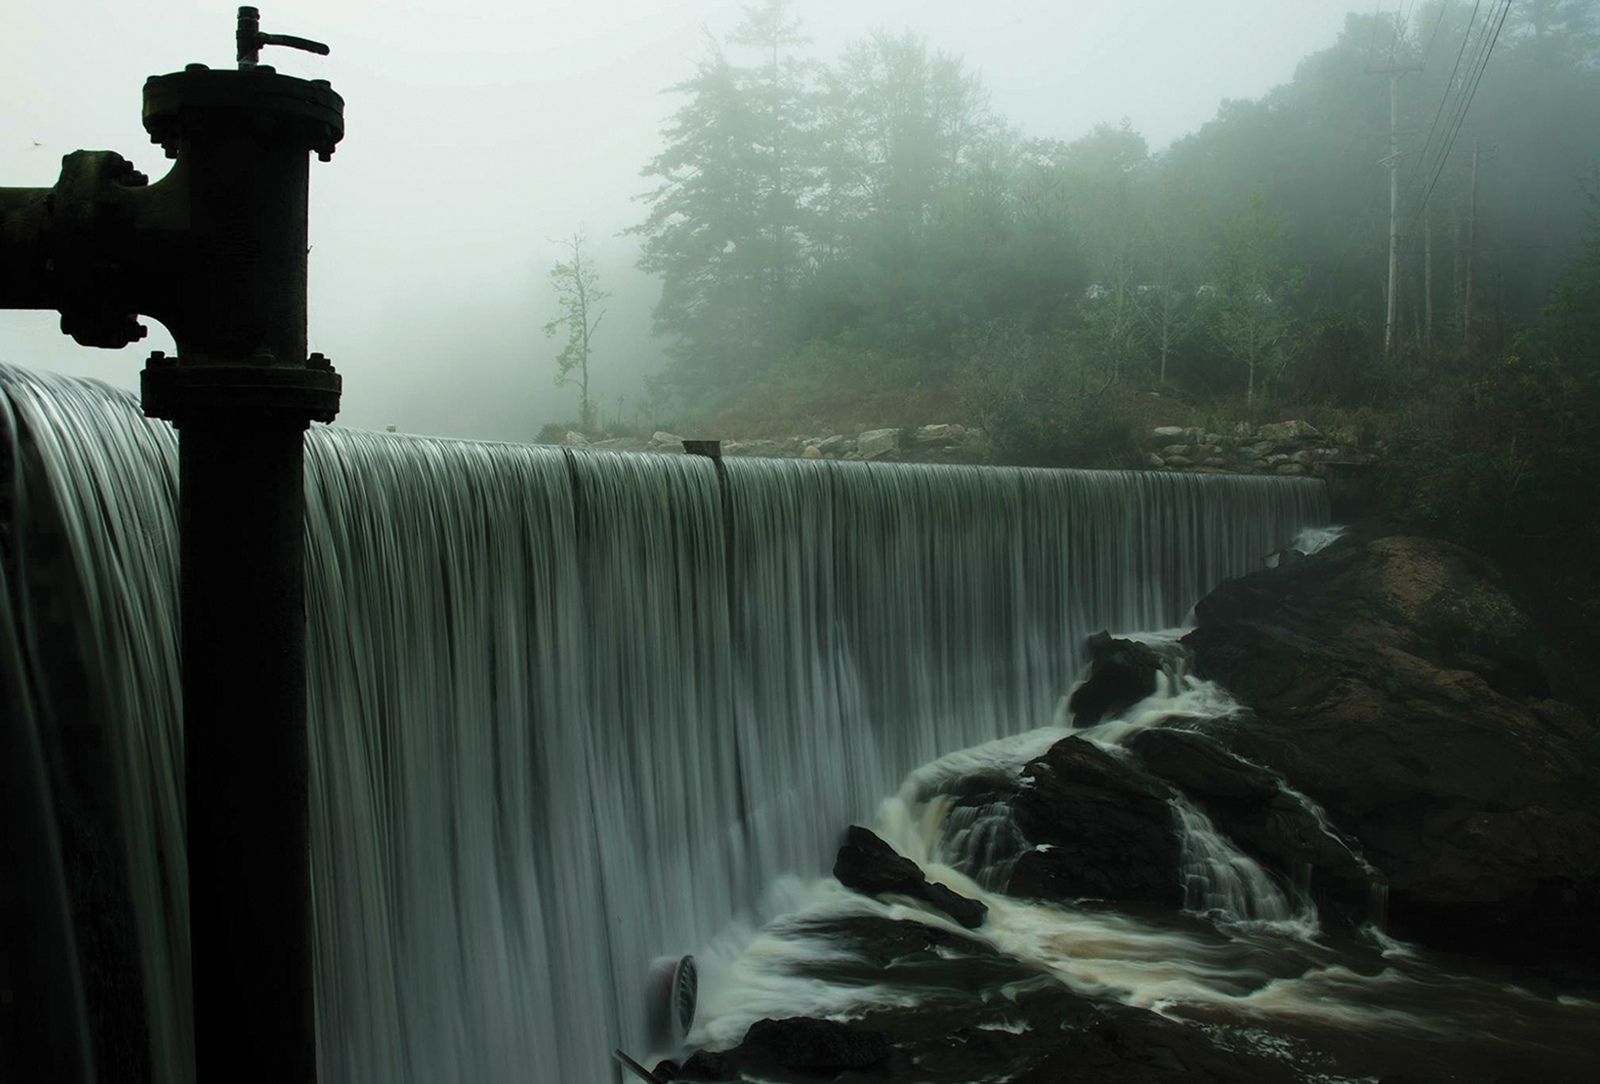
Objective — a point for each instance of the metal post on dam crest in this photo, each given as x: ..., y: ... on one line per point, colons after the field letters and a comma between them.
x: 216, y: 251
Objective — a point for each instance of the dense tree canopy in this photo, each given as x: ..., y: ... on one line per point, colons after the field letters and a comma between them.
x: 871, y: 216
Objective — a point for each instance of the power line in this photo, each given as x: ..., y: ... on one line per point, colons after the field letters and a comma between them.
x: 1448, y: 87
x: 1428, y: 51
x: 1444, y: 157
x: 1457, y: 111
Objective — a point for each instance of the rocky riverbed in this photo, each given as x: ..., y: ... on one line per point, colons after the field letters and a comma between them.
x: 1335, y: 831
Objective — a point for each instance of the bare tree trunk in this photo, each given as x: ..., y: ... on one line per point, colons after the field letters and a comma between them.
x: 1427, y: 280
x: 1472, y: 229
x: 585, y: 417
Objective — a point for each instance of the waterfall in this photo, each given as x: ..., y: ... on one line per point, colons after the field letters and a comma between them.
x: 1221, y: 880
x: 573, y: 711
x: 90, y: 727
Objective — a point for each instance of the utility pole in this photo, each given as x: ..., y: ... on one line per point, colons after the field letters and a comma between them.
x: 1472, y: 230
x: 1394, y: 73
x: 1427, y: 279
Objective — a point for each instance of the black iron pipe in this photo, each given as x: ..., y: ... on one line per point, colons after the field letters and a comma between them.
x: 242, y: 507
x: 216, y: 251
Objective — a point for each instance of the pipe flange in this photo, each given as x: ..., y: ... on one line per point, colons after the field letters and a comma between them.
x: 174, y: 390
x: 176, y: 105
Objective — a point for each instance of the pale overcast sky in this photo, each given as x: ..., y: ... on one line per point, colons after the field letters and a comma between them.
x: 477, y: 131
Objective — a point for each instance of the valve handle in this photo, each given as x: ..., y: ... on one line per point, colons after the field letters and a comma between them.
x: 251, y: 39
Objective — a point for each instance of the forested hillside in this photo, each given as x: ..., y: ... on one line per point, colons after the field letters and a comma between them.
x: 862, y: 241
x: 867, y: 231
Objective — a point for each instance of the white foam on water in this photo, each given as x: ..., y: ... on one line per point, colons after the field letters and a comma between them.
x: 1316, y: 539
x: 1221, y: 880
x: 1095, y: 952
x: 1391, y: 948
x: 1001, y: 760
x: 1013, y: 1027
x: 1181, y: 699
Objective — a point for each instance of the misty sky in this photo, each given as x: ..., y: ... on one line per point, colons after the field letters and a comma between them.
x: 477, y: 131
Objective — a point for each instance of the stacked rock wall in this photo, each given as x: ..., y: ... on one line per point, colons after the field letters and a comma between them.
x: 1288, y: 448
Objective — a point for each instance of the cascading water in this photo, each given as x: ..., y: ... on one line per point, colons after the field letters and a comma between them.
x: 1218, y: 879
x: 90, y: 721
x: 571, y: 712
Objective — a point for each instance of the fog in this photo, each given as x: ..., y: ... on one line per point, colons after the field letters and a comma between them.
x: 478, y: 134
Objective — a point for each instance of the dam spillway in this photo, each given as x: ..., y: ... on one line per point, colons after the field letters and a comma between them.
x: 570, y: 711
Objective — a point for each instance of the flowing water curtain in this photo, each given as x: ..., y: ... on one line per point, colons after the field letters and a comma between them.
x: 807, y: 755
x: 525, y: 769
x: 572, y: 710
x: 456, y: 876
x: 666, y: 783
x: 931, y: 564
x: 93, y: 605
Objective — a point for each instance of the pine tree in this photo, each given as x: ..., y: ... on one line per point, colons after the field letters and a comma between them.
x: 727, y: 224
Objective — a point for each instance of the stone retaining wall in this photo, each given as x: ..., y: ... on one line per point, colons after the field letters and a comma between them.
x: 942, y: 443
x: 1289, y: 448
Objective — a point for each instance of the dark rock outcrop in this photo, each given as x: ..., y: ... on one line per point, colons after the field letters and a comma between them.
x: 873, y: 868
x: 802, y: 1043
x: 1101, y: 828
x: 1398, y: 684
x: 1122, y: 673
x: 1248, y: 804
x: 816, y: 1047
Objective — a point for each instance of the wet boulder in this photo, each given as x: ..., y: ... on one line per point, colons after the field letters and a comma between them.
x: 1100, y: 827
x: 1121, y: 673
x: 1398, y: 684
x: 1204, y: 769
x: 816, y: 1048
x: 801, y: 1043
x: 870, y: 866
x: 1251, y: 806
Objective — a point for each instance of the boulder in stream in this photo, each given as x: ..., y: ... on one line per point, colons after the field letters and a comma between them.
x: 870, y: 866
x: 1121, y: 673
x: 1398, y: 684
x: 1250, y: 805
x: 1100, y: 827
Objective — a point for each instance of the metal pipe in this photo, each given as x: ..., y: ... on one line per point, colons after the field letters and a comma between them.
x: 217, y: 252
x: 242, y: 505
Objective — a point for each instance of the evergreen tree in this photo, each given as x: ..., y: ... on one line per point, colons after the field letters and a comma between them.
x: 902, y: 122
x: 726, y: 227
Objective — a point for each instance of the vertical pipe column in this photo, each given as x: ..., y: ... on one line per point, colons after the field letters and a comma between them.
x: 242, y: 505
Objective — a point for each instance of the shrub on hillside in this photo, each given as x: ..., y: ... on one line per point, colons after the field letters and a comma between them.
x: 556, y: 432
x: 1043, y: 403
